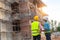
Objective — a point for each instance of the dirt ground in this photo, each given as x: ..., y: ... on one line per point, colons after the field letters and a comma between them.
x: 53, y: 37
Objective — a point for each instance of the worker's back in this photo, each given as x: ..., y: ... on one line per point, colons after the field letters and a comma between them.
x: 47, y: 27
x: 35, y: 28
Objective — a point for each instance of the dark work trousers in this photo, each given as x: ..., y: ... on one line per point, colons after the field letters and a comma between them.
x: 48, y: 36
x: 37, y: 37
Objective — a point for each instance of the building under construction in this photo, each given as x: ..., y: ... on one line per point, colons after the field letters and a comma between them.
x: 15, y: 18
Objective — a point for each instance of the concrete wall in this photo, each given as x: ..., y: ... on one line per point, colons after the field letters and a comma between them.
x: 5, y: 19
x: 6, y: 32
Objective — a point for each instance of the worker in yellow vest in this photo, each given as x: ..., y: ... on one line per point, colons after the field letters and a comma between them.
x: 35, y: 28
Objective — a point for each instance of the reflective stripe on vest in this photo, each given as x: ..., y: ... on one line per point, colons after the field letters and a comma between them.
x: 35, y: 28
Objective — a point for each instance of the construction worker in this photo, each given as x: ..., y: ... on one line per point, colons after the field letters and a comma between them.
x: 35, y: 28
x: 47, y: 28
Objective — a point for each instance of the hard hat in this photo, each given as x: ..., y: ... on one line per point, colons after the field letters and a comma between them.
x: 45, y: 18
x: 36, y: 18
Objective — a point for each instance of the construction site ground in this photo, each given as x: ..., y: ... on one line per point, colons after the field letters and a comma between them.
x: 53, y: 36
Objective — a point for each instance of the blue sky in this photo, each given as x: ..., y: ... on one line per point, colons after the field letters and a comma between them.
x: 52, y: 9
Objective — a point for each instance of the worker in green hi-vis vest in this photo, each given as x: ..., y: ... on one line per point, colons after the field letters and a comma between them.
x: 35, y: 29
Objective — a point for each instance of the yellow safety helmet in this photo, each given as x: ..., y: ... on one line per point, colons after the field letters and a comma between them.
x: 36, y: 18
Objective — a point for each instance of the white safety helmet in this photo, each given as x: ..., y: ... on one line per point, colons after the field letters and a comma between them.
x: 45, y: 18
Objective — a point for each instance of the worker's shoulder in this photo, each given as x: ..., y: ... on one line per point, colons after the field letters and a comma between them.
x: 35, y: 22
x: 46, y: 23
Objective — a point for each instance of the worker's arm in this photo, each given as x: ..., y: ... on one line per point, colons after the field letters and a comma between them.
x: 41, y: 27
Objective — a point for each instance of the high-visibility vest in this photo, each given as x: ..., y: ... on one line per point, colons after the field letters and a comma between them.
x: 35, y: 28
x: 47, y: 27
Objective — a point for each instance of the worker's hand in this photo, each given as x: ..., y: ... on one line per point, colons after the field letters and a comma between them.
x: 42, y: 30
